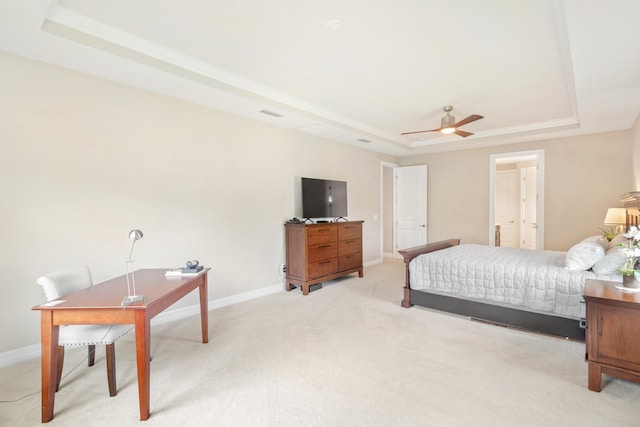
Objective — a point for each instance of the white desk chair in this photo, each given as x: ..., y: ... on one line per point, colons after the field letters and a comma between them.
x: 57, y: 285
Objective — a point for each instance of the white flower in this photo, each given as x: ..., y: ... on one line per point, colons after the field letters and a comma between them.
x: 631, y: 252
x: 633, y: 233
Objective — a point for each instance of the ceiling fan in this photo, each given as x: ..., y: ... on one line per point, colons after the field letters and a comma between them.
x: 448, y: 124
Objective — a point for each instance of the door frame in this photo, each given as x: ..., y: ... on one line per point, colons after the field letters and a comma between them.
x: 383, y: 165
x: 493, y: 159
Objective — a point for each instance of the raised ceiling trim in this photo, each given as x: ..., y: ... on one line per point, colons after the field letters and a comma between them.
x: 71, y: 25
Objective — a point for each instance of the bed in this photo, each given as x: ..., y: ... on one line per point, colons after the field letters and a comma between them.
x: 523, y: 288
x: 528, y: 289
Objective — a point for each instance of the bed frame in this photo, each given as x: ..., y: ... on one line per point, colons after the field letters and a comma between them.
x: 549, y: 324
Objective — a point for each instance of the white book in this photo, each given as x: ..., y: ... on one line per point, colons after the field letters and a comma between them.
x: 177, y: 272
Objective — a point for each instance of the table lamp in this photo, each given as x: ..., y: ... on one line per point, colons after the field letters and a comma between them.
x: 617, y: 217
x: 131, y: 280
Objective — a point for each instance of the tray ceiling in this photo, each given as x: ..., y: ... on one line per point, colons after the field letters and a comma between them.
x: 356, y: 71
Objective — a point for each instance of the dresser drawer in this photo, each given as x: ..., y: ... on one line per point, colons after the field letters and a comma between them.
x: 323, y: 268
x: 349, y: 231
x: 352, y: 246
x: 323, y: 251
x: 322, y: 234
x: 350, y: 261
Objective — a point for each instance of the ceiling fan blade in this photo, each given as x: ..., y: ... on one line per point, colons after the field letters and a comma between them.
x: 471, y: 118
x: 463, y: 133
x: 420, y: 131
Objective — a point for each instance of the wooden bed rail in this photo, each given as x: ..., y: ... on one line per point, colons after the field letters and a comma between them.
x: 411, y: 253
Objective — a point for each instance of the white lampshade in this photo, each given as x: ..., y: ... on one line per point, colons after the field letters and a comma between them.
x: 615, y: 216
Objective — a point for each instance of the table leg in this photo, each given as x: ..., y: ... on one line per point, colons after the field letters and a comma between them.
x: 143, y: 346
x: 49, y: 362
x: 595, y: 377
x: 204, y: 309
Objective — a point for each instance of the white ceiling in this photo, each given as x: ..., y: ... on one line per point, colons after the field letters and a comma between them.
x: 535, y: 69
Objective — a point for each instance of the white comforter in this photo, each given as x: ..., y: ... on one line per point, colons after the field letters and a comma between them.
x: 535, y: 280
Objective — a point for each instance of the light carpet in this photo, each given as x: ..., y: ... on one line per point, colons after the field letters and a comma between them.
x: 345, y: 355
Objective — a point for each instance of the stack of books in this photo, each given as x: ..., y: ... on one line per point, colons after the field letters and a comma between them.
x: 178, y: 272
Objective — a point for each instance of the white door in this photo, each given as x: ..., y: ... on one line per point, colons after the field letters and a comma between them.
x: 506, y: 203
x: 529, y: 224
x: 410, y: 190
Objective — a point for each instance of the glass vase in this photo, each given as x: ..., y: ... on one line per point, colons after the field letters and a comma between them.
x: 630, y: 281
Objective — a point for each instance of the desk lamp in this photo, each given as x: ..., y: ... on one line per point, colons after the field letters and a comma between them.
x: 131, y: 282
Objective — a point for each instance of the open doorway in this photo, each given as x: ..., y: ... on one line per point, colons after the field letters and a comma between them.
x: 516, y: 202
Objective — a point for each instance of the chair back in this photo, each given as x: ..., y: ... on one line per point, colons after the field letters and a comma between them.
x: 61, y: 283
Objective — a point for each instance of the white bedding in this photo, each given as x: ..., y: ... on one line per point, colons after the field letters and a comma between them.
x: 536, y: 280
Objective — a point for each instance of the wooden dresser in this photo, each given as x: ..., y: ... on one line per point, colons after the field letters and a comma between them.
x: 613, y: 331
x: 320, y: 252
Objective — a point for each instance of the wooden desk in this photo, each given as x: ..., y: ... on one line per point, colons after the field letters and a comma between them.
x: 613, y: 328
x: 101, y: 304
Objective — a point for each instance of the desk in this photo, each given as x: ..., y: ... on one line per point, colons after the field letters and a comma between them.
x: 101, y: 304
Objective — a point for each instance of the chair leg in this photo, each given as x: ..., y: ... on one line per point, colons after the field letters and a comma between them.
x: 91, y: 360
x: 60, y: 364
x: 111, y: 368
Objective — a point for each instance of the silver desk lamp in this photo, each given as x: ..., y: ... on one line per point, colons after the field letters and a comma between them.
x: 131, y: 280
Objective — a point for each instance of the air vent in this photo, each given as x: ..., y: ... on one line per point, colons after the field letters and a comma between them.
x: 271, y: 113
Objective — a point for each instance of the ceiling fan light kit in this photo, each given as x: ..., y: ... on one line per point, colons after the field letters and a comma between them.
x: 448, y: 124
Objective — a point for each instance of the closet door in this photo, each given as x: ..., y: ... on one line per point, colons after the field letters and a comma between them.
x: 529, y: 200
x: 506, y: 203
x: 410, y: 207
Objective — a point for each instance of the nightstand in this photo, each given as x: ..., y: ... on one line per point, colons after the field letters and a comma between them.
x: 613, y: 332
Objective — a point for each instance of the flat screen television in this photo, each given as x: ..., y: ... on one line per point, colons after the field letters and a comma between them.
x: 323, y: 198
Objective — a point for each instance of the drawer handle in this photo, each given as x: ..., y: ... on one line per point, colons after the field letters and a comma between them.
x: 349, y: 241
x: 324, y: 262
x: 324, y: 246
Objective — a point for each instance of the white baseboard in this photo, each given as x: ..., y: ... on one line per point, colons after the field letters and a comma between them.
x: 19, y: 355
x: 372, y: 262
x: 29, y: 352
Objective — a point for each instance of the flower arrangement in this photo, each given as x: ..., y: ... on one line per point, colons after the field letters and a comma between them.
x: 631, y: 250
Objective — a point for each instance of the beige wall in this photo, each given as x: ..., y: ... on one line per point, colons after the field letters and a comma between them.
x: 584, y: 176
x: 85, y: 160
x: 635, y: 153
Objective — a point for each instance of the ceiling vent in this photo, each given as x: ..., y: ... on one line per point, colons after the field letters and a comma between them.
x: 271, y: 113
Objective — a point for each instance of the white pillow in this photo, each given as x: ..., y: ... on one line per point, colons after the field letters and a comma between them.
x: 582, y: 256
x: 619, y: 238
x: 601, y: 240
x: 611, y: 262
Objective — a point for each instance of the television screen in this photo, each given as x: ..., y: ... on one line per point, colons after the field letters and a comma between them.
x: 322, y: 198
